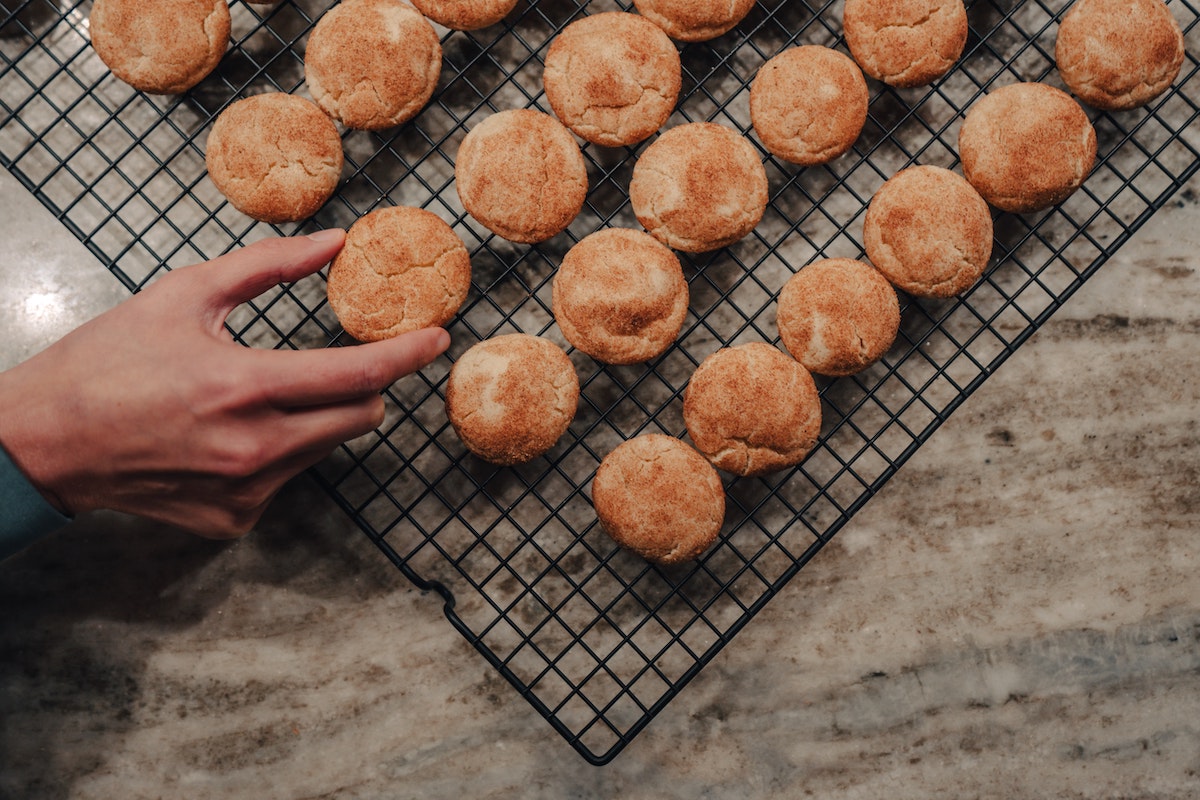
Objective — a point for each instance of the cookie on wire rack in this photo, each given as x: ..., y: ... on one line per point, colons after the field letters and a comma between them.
x: 163, y: 47
x: 657, y: 497
x: 1118, y: 54
x: 401, y: 269
x: 372, y: 64
x: 511, y: 398
x: 276, y: 157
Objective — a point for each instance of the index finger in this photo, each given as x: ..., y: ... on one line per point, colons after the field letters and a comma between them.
x: 296, y: 378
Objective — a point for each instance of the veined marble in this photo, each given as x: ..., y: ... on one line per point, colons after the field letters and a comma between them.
x: 1016, y: 615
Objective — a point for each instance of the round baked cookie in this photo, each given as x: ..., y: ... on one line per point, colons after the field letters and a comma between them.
x: 372, y: 64
x: 1026, y: 146
x: 694, y: 20
x: 1118, y: 54
x: 838, y: 316
x: 659, y: 498
x: 511, y: 398
x: 929, y: 232
x: 905, y: 43
x: 465, y: 15
x: 752, y: 410
x: 276, y: 157
x: 402, y: 269
x: 521, y: 175
x: 699, y: 187
x: 620, y: 296
x: 808, y: 104
x: 612, y: 78
x: 163, y: 47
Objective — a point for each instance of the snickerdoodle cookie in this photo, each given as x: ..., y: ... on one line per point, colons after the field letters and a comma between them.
x: 613, y: 78
x: 694, y: 20
x: 164, y: 47
x: 659, y: 498
x: 808, y: 104
x: 1118, y: 54
x: 1026, y: 146
x: 465, y: 15
x: 372, y: 64
x: 929, y: 232
x: 838, y: 316
x: 402, y: 269
x: 521, y: 175
x: 699, y: 187
x: 276, y: 157
x: 905, y: 43
x: 620, y: 296
x: 752, y: 410
x: 512, y: 397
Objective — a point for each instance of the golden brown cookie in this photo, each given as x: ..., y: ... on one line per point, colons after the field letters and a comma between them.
x: 620, y: 296
x: 276, y: 157
x: 905, y: 43
x: 372, y: 64
x: 465, y: 15
x: 659, y: 498
x: 929, y: 232
x: 752, y: 410
x: 613, y: 78
x: 808, y: 104
x: 838, y: 316
x: 402, y: 269
x: 1026, y: 146
x: 694, y: 20
x: 699, y: 187
x: 511, y: 398
x: 163, y: 47
x: 1118, y: 54
x: 521, y: 175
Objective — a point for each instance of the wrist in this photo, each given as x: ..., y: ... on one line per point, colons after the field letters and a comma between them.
x: 30, y: 440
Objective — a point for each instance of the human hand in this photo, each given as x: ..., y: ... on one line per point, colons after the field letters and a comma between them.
x: 152, y: 409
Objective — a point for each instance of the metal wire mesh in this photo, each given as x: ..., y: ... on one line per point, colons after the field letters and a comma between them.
x: 597, y: 640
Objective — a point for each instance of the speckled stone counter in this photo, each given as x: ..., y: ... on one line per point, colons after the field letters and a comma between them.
x: 1017, y: 614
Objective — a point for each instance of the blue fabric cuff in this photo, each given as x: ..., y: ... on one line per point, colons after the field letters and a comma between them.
x: 25, y: 516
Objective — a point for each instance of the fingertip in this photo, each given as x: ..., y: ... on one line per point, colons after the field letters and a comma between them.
x: 441, y: 341
x: 328, y: 236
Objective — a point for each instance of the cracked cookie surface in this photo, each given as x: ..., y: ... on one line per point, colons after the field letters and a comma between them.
x: 511, y: 398
x: 521, y: 175
x: 612, y: 78
x: 402, y: 269
x: 163, y: 47
x: 1026, y: 146
x: 657, y: 497
x: 372, y: 64
x: 699, y: 187
x: 620, y: 296
x: 808, y: 104
x: 751, y: 409
x: 838, y: 316
x: 905, y: 43
x: 465, y: 15
x: 1118, y: 54
x: 929, y: 232
x: 275, y: 157
x: 694, y: 20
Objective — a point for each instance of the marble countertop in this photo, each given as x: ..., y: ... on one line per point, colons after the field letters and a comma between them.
x: 1017, y: 614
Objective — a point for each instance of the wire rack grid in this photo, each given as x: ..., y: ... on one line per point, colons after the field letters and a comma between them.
x: 595, y: 639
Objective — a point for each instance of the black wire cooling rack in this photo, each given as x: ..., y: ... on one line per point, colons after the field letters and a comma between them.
x: 597, y: 640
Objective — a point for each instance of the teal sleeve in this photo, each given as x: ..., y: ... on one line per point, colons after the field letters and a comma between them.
x: 25, y: 516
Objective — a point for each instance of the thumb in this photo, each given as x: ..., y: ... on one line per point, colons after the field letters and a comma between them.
x: 244, y: 274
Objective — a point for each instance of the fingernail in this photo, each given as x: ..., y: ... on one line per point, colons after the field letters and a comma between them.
x: 327, y: 235
x: 443, y: 340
